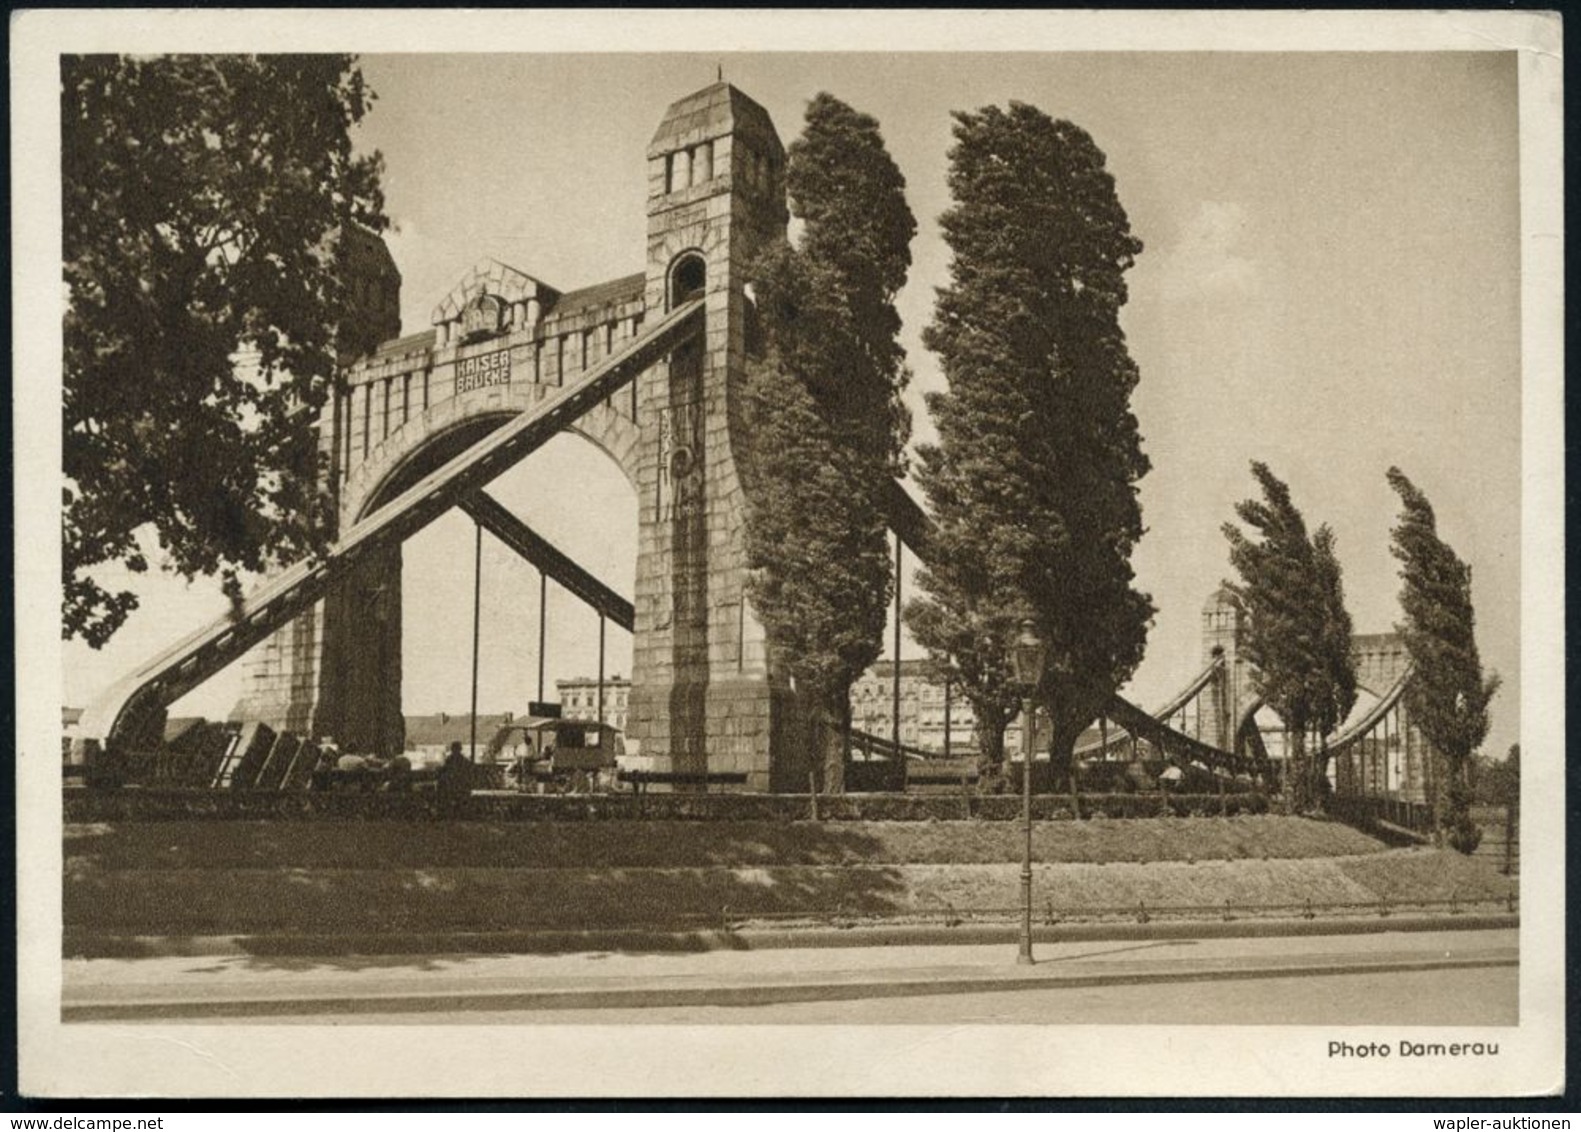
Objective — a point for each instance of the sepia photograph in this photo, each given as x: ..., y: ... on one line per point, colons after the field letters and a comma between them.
x: 789, y: 554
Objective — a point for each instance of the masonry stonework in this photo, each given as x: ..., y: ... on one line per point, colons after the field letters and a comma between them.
x: 1222, y: 713
x: 707, y: 703
x: 705, y: 698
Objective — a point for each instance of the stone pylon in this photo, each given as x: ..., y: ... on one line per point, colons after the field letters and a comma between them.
x: 705, y: 698
x: 708, y: 707
x: 1227, y: 698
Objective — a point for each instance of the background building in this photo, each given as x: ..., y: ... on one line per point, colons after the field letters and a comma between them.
x: 925, y: 705
x: 430, y: 736
x: 922, y: 708
x: 579, y: 699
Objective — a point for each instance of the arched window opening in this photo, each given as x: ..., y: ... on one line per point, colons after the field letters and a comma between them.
x: 687, y: 279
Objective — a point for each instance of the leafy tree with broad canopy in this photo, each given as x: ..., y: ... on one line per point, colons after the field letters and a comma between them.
x: 823, y: 399
x: 1298, y: 633
x: 1448, y: 695
x: 1033, y: 480
x: 204, y: 199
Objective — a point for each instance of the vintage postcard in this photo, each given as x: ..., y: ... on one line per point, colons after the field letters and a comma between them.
x: 632, y: 554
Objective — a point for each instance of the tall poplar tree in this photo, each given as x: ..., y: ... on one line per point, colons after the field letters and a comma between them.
x: 202, y: 200
x: 1448, y: 696
x: 1298, y: 634
x: 823, y: 403
x: 968, y: 637
x: 1033, y: 480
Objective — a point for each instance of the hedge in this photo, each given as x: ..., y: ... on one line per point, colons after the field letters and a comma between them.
x: 134, y: 804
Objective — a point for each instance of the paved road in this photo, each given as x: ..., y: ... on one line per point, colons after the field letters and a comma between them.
x: 1473, y: 997
x: 870, y: 982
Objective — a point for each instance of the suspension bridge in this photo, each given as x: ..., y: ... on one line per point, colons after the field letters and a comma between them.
x: 649, y: 368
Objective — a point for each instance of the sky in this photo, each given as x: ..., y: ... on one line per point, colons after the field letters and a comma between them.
x: 1330, y: 283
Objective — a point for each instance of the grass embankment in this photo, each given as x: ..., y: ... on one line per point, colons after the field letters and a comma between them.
x: 203, y: 878
x: 692, y: 844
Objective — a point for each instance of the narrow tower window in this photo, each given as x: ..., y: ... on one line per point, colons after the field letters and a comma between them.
x: 687, y: 279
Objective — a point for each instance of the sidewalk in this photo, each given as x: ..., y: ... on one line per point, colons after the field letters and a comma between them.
x: 752, y: 936
x: 231, y: 986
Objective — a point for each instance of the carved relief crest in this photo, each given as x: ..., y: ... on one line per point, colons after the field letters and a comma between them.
x: 680, y: 466
x: 483, y: 316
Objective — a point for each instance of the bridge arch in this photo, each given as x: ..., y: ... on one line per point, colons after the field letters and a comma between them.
x: 571, y: 496
x: 362, y: 628
x: 427, y: 440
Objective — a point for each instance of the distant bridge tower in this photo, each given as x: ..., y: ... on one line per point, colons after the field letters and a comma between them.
x: 1226, y: 698
x: 1381, y: 752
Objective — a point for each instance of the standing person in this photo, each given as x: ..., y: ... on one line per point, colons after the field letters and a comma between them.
x: 398, y: 775
x: 522, y: 761
x: 323, y: 777
x: 351, y: 772
x: 455, y: 776
x: 546, y: 763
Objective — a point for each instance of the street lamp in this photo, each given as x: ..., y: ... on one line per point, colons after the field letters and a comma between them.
x: 1026, y: 660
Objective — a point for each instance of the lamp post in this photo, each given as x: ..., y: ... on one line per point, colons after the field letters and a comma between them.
x: 1026, y: 659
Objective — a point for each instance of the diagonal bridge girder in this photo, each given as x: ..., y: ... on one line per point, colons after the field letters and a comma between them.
x: 1176, y: 746
x: 1392, y: 697
x: 172, y: 673
x: 503, y: 525
x: 913, y: 526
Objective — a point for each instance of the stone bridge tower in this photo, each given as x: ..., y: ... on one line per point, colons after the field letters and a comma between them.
x: 1223, y: 621
x: 705, y: 697
x: 707, y: 704
x: 1392, y: 755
